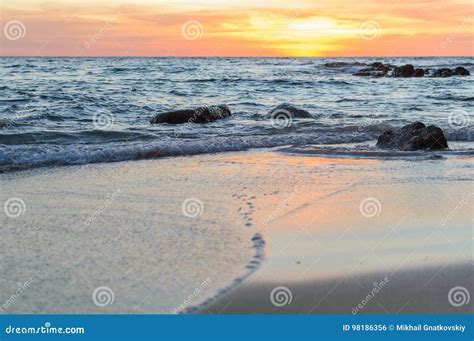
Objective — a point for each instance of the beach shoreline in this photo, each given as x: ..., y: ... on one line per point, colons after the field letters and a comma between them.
x: 306, y: 208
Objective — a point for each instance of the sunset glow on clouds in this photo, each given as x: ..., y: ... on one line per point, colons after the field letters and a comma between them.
x: 237, y: 28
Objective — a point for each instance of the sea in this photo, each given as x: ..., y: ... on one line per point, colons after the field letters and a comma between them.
x: 71, y: 111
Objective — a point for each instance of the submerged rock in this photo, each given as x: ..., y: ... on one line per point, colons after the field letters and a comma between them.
x: 335, y: 65
x: 461, y: 71
x: 413, y: 137
x: 369, y: 72
x: 288, y: 110
x: 419, y: 73
x: 407, y: 70
x: 445, y: 72
x: 379, y: 69
x: 376, y: 69
x: 198, y: 115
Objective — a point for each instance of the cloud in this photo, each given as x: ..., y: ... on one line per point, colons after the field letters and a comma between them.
x: 243, y: 28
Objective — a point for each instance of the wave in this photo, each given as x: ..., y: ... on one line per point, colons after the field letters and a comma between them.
x: 212, y: 80
x: 25, y: 156
x: 6, y: 123
x: 464, y: 134
x: 21, y: 120
x: 14, y: 66
x: 81, y: 137
x: 452, y: 98
x: 350, y: 100
x: 372, y: 152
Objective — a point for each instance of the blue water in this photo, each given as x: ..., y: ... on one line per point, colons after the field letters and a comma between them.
x: 57, y: 111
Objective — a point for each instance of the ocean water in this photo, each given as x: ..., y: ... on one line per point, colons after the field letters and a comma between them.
x: 66, y: 111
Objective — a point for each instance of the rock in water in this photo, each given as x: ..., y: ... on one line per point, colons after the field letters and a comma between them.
x: 288, y: 111
x: 407, y: 70
x: 336, y: 65
x: 419, y: 73
x: 413, y: 137
x: 376, y: 69
x: 444, y: 72
x: 198, y: 115
x: 379, y: 69
x: 461, y: 71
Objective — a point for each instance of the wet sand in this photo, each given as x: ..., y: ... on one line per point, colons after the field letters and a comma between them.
x: 332, y: 227
x: 145, y: 237
x: 361, y: 236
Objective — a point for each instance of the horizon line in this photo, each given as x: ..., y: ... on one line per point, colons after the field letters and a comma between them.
x: 210, y: 56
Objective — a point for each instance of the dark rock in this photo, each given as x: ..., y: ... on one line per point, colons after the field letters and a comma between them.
x: 413, y: 137
x: 370, y: 72
x: 288, y: 110
x: 198, y: 115
x: 461, y: 71
x: 336, y: 65
x: 407, y: 70
x: 419, y: 73
x: 444, y: 72
x: 379, y: 69
x: 376, y: 69
x: 378, y: 66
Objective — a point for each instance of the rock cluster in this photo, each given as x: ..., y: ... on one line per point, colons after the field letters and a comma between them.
x: 413, y: 137
x: 379, y: 69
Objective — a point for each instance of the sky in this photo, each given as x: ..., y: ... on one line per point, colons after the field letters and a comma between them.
x: 294, y: 28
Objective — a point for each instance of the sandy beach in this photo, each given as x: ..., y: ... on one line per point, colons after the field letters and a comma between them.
x: 180, y: 235
x: 273, y: 170
x: 421, y: 290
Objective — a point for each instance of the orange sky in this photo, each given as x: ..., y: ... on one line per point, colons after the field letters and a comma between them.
x: 237, y: 27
